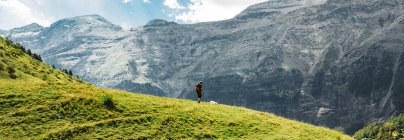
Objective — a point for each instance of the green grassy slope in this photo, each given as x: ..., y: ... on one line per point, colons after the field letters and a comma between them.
x: 42, y: 103
x: 393, y: 129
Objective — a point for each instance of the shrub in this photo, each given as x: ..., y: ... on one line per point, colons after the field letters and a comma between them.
x: 45, y: 77
x: 392, y: 129
x: 10, y: 70
x: 2, y: 67
x: 107, y: 101
x: 13, y: 76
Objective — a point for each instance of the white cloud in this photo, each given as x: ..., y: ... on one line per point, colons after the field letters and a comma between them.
x: 212, y: 10
x: 125, y: 25
x: 15, y: 13
x: 126, y: 1
x: 146, y: 1
x: 173, y: 4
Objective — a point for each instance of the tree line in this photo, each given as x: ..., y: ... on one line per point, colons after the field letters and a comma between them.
x: 67, y: 71
x: 27, y: 51
x: 34, y: 55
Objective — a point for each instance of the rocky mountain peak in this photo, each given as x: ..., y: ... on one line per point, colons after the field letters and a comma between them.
x: 277, y: 6
x: 159, y: 22
x: 34, y: 27
x: 86, y: 21
x: 31, y: 26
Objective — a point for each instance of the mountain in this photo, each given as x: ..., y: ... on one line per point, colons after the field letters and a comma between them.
x: 336, y: 63
x: 40, y: 102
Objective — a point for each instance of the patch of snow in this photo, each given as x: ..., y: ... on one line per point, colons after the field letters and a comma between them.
x: 322, y: 111
x: 302, y: 92
x: 305, y: 51
x: 285, y: 67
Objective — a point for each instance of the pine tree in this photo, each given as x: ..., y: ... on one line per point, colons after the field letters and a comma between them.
x: 70, y: 73
x: 23, y: 49
x: 65, y: 71
x: 53, y: 66
x: 29, y: 52
x: 8, y: 41
x: 39, y: 58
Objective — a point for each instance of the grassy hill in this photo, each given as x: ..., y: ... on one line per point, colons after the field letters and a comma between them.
x: 393, y: 129
x: 37, y: 101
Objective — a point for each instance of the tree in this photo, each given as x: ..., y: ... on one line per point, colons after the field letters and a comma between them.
x: 65, y: 71
x: 381, y: 21
x: 29, y: 52
x: 8, y: 41
x: 23, y: 49
x: 70, y: 73
x: 37, y: 57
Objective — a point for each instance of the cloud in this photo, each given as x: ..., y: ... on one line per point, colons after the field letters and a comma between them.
x: 126, y: 1
x: 213, y: 10
x: 173, y: 4
x: 15, y: 13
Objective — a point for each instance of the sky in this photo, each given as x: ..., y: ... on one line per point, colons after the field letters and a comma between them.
x: 126, y: 13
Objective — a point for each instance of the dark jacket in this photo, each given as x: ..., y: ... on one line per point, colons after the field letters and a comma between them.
x: 198, y: 88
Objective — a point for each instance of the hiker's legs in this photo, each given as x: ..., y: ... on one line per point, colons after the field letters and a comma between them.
x: 199, y: 96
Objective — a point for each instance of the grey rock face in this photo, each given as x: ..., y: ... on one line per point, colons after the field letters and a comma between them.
x: 334, y: 63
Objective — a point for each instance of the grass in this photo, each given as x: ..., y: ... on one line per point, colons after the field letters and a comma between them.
x: 43, y: 103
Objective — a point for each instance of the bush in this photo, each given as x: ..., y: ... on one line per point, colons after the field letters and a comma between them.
x: 13, y: 76
x: 393, y: 129
x: 107, y: 101
x: 10, y: 70
x: 2, y: 67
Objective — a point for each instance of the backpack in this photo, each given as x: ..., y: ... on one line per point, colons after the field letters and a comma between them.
x: 198, y: 87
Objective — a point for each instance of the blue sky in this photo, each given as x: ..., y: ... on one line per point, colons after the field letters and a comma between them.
x: 126, y: 13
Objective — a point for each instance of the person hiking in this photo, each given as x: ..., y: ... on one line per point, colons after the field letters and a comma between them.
x: 199, y: 90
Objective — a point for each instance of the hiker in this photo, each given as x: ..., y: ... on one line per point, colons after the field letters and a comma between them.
x: 199, y: 89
